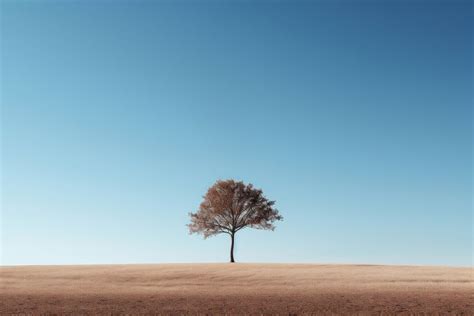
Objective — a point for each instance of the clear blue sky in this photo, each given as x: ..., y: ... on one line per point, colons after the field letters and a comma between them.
x: 356, y: 117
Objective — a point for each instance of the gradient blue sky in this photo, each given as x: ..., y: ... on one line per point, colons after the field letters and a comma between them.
x: 356, y: 117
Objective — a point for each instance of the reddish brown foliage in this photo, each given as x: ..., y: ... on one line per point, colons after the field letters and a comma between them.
x: 230, y: 206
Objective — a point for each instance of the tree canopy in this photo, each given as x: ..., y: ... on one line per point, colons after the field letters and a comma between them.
x: 230, y: 206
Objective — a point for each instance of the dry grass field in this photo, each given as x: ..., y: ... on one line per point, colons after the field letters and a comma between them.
x: 269, y: 289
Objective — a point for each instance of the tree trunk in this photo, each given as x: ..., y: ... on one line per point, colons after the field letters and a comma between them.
x: 232, y: 249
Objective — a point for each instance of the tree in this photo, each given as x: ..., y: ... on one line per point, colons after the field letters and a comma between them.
x: 230, y: 206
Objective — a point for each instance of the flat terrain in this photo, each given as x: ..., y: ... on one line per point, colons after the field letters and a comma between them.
x: 239, y: 288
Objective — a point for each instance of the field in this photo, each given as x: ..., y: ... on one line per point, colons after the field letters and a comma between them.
x: 240, y: 288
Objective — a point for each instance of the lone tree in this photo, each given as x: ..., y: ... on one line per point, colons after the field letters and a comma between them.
x: 230, y: 206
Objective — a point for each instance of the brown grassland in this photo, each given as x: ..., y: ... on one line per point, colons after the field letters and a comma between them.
x: 240, y: 288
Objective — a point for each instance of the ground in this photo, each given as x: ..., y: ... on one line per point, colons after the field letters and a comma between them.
x: 240, y: 288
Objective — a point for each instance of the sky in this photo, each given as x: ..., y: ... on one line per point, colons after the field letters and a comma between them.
x: 355, y: 116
